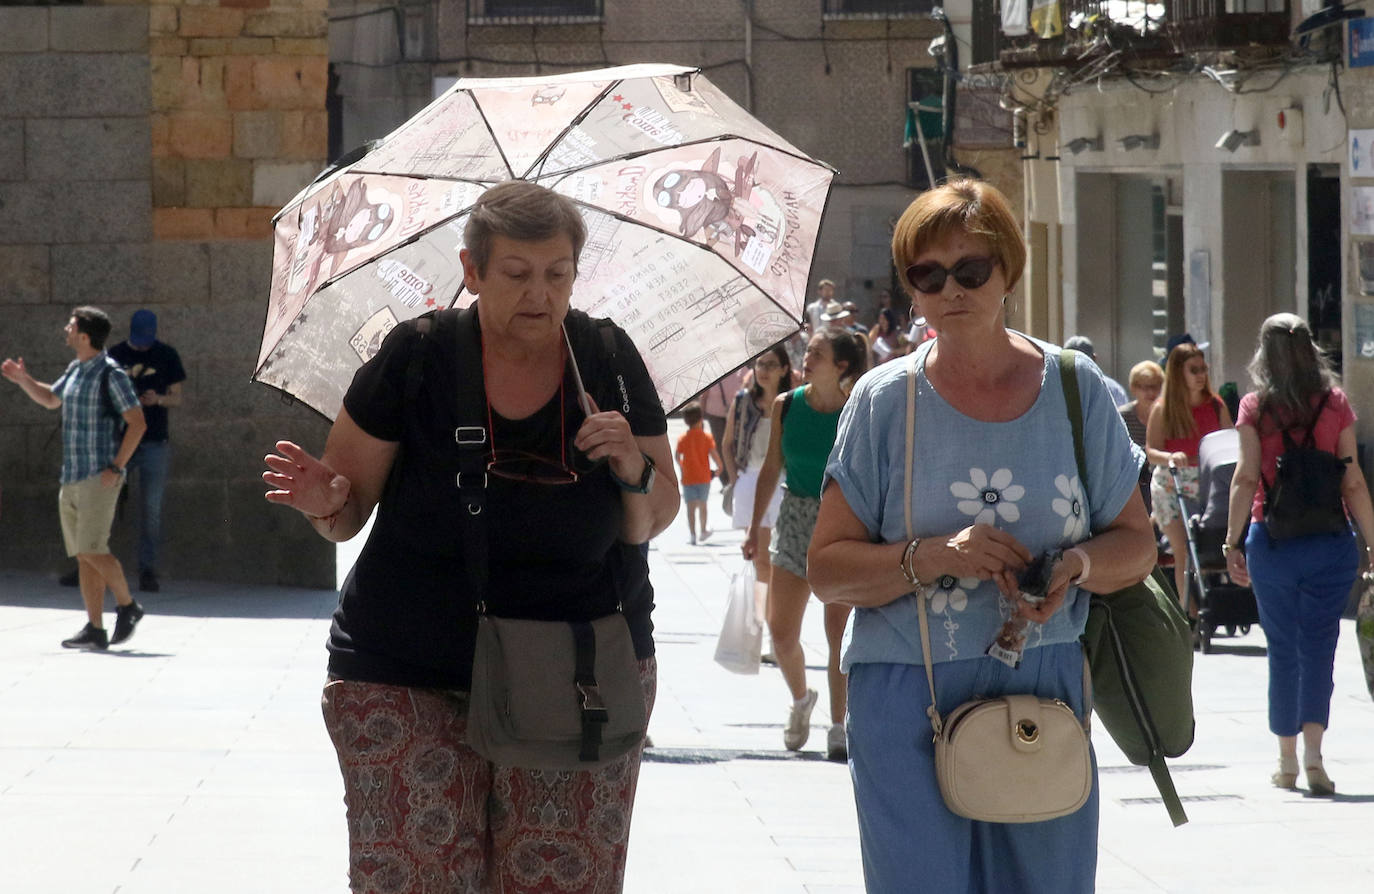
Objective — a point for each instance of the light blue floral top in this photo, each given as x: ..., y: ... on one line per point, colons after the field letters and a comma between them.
x: 1019, y: 476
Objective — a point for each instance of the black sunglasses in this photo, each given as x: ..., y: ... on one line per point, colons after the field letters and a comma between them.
x: 968, y: 272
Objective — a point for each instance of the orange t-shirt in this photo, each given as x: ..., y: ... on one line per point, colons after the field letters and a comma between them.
x: 694, y: 454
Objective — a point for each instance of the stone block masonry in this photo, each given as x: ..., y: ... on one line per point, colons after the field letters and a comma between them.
x: 144, y: 147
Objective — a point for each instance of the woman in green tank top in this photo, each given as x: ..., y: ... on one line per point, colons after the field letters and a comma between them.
x: 802, y: 433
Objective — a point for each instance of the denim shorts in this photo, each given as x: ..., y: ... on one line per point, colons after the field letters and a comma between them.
x: 696, y: 493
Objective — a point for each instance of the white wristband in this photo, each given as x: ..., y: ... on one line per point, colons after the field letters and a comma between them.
x: 1086, y: 562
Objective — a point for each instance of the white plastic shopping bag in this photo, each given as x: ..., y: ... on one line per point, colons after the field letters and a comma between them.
x: 741, y: 636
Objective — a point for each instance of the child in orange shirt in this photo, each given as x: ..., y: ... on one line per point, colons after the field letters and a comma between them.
x: 696, y: 452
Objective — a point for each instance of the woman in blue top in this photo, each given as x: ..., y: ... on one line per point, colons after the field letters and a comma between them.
x: 995, y: 484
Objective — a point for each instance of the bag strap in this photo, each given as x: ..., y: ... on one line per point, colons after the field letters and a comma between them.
x: 923, y: 593
x: 1159, y: 770
x: 474, y: 445
x: 594, y: 713
x: 787, y: 404
x: 1311, y: 438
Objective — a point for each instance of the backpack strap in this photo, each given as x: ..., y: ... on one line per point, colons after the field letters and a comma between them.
x: 1159, y: 770
x: 787, y: 404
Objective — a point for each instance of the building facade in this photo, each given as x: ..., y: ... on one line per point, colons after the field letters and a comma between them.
x: 1190, y: 168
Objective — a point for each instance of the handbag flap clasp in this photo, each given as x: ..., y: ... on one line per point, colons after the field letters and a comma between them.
x: 1023, y: 711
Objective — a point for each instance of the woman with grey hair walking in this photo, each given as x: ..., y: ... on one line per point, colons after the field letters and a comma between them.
x: 570, y: 493
x: 1301, y: 583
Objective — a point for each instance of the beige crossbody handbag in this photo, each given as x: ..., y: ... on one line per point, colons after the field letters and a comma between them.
x: 1013, y: 759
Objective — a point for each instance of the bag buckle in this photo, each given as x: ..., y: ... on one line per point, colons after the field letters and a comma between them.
x: 592, y: 706
x: 471, y: 484
x: 470, y: 436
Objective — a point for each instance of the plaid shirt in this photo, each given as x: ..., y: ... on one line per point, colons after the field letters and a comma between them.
x: 88, y: 431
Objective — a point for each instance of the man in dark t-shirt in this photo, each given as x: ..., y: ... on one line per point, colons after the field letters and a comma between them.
x: 157, y: 374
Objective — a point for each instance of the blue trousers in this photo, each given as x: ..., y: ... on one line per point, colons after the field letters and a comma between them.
x: 150, y: 463
x: 1301, y: 587
x: 910, y: 840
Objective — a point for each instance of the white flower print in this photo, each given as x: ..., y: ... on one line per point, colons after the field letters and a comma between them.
x: 1072, y: 505
x: 988, y: 499
x: 952, y: 593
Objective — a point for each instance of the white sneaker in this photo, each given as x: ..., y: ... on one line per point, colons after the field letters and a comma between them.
x: 798, y: 728
x: 836, y: 745
x: 705, y: 536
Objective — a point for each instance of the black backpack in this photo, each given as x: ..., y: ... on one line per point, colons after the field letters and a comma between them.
x: 107, y: 404
x: 1305, y: 496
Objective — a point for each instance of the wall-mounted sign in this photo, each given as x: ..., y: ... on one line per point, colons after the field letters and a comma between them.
x: 1362, y: 210
x: 1365, y: 258
x: 1364, y: 330
x: 1362, y: 153
x: 1361, y: 42
x: 1199, y: 310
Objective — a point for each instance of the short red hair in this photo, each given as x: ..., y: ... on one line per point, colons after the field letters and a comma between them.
x: 967, y: 206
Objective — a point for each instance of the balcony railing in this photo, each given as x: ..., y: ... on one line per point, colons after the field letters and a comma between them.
x: 534, y: 12
x: 1075, y: 32
x: 875, y: 9
x: 1217, y: 25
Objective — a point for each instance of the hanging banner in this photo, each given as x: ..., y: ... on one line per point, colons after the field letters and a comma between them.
x: 1045, y: 19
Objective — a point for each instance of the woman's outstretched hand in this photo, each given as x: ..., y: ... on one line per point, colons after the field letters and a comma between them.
x: 303, y: 482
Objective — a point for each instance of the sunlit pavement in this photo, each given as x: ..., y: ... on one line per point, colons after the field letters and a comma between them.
x: 192, y: 760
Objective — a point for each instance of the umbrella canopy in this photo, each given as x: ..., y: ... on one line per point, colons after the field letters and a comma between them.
x: 701, y: 224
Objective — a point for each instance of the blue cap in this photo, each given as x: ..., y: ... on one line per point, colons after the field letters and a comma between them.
x: 143, y: 328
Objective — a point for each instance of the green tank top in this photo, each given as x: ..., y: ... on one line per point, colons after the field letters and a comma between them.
x: 807, y: 437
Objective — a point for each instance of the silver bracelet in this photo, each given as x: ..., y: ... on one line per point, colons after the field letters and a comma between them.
x: 907, y: 565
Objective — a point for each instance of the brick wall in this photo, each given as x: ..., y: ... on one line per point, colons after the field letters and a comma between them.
x: 143, y: 150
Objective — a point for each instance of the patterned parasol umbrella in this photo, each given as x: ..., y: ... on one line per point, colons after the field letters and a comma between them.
x: 701, y: 224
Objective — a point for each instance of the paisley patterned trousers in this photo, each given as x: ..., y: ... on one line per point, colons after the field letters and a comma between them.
x: 428, y: 815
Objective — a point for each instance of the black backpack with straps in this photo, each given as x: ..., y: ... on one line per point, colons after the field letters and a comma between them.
x: 1305, y: 496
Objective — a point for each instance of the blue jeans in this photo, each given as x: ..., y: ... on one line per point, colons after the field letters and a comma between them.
x: 150, y: 461
x: 1301, y: 587
x: 909, y: 839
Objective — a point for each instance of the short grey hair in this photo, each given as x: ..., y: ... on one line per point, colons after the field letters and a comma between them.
x: 525, y: 212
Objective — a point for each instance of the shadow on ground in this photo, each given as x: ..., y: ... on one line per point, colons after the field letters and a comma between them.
x: 193, y: 599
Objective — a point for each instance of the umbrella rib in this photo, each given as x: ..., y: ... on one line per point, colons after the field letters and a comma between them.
x: 630, y: 156
x: 494, y: 141
x: 678, y: 237
x: 577, y: 119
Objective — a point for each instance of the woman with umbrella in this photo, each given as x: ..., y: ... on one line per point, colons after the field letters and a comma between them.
x: 571, y: 492
x: 994, y: 483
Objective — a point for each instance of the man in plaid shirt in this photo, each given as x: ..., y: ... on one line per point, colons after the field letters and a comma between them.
x: 91, y: 391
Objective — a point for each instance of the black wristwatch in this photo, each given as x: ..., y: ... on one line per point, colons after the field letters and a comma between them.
x: 646, y: 481
x: 121, y: 472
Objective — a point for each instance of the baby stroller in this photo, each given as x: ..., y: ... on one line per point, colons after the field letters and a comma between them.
x: 1220, y: 603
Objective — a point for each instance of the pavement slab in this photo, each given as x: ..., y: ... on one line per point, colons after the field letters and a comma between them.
x: 193, y: 759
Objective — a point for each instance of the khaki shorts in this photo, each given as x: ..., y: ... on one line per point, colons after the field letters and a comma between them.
x: 87, y: 510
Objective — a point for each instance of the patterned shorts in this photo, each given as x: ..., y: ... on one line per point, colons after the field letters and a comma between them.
x: 792, y: 535
x: 1163, y: 502
x: 428, y: 815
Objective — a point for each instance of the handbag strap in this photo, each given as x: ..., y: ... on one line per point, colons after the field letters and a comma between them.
x: 1159, y: 770
x: 594, y: 714
x: 474, y: 445
x: 922, y: 593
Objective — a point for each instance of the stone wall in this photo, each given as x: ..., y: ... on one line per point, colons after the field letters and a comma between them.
x: 143, y: 150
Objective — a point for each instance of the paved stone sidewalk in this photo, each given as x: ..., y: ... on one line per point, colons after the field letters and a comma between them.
x: 193, y: 759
